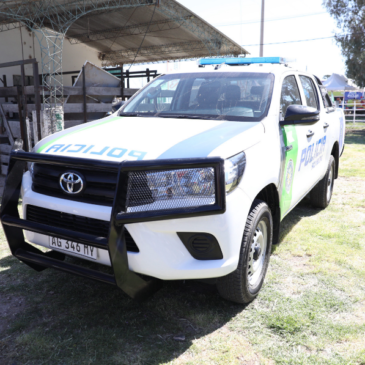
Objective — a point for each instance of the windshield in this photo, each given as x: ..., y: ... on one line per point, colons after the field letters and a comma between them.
x: 233, y: 96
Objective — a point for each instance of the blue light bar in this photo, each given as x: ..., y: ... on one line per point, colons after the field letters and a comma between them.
x: 240, y: 61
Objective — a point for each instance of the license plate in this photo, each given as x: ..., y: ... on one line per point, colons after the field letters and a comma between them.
x: 73, y: 247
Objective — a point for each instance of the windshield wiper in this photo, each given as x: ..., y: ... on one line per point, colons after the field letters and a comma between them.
x: 177, y: 116
x: 183, y: 116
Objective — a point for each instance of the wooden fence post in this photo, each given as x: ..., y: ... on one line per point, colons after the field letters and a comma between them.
x: 24, y: 105
x: 5, y: 85
x: 84, y: 93
x: 122, y: 82
x: 21, y: 121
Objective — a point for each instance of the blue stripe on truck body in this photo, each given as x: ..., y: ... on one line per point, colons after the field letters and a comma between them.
x: 202, y: 144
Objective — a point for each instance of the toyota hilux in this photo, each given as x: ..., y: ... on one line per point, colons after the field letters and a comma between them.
x: 189, y: 179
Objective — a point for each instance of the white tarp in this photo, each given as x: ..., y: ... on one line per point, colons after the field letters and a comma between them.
x: 337, y: 82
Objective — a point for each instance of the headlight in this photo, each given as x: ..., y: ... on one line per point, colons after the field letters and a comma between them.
x: 234, y: 168
x: 171, y: 189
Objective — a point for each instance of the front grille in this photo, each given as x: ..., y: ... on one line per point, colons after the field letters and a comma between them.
x: 99, y: 187
x: 75, y: 223
x: 151, y: 190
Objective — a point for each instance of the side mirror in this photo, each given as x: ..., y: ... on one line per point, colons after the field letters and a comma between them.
x: 116, y: 106
x: 300, y: 114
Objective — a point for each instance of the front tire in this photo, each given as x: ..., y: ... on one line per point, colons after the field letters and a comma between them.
x: 321, y: 194
x: 243, y: 284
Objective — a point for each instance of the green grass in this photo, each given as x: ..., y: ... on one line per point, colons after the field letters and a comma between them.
x: 350, y: 125
x: 310, y: 311
x: 355, y: 141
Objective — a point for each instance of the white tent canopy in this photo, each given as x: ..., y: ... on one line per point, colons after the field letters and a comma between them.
x: 337, y: 82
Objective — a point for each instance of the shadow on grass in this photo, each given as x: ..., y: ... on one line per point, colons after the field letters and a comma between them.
x: 67, y: 319
x: 355, y: 136
x: 302, y: 210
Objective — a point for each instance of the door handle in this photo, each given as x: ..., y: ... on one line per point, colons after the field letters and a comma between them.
x: 326, y: 125
x: 310, y: 133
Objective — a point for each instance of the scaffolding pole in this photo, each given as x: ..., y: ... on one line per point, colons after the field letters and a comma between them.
x: 50, y: 21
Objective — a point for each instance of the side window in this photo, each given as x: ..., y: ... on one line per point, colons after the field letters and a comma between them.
x: 326, y: 98
x: 194, y: 92
x: 289, y: 94
x: 309, y: 91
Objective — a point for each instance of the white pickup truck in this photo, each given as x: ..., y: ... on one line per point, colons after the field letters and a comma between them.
x: 190, y: 179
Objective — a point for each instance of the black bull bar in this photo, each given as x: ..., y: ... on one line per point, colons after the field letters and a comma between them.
x: 131, y: 283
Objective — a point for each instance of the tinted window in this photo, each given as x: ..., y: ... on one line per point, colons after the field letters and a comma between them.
x: 309, y: 91
x: 325, y: 97
x: 289, y: 94
x: 207, y: 95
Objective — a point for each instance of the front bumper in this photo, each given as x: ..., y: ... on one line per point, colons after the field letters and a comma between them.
x: 162, y: 254
x: 115, y: 246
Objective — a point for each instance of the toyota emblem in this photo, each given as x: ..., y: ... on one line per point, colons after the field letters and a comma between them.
x: 71, y: 183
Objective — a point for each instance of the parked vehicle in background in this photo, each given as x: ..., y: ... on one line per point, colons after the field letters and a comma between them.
x: 190, y: 179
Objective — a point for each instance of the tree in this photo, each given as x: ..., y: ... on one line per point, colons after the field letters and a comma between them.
x: 350, y: 17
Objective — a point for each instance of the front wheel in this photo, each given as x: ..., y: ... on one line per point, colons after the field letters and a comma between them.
x: 244, y: 284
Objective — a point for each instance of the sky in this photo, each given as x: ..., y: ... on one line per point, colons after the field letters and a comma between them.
x: 285, y: 21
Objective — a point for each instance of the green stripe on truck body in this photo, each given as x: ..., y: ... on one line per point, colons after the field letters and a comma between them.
x: 40, y: 149
x: 290, y: 166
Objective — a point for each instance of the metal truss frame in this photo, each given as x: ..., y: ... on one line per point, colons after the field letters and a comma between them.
x: 210, y: 40
x: 50, y: 21
x: 125, y: 56
x: 129, y: 30
x: 59, y: 13
x: 203, y: 31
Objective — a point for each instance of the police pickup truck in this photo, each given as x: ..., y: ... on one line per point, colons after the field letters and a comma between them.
x: 189, y: 179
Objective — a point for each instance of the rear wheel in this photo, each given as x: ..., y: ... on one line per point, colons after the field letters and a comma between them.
x: 321, y: 194
x: 244, y: 284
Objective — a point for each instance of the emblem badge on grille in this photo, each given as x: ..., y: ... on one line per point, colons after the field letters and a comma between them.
x: 71, y: 183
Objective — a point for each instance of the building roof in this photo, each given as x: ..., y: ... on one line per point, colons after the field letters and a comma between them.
x: 169, y: 31
x: 122, y: 33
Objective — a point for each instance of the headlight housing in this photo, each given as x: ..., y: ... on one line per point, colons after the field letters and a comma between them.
x: 180, y: 188
x: 170, y: 189
x: 234, y: 167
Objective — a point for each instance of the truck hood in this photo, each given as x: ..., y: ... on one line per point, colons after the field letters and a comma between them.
x: 137, y: 138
